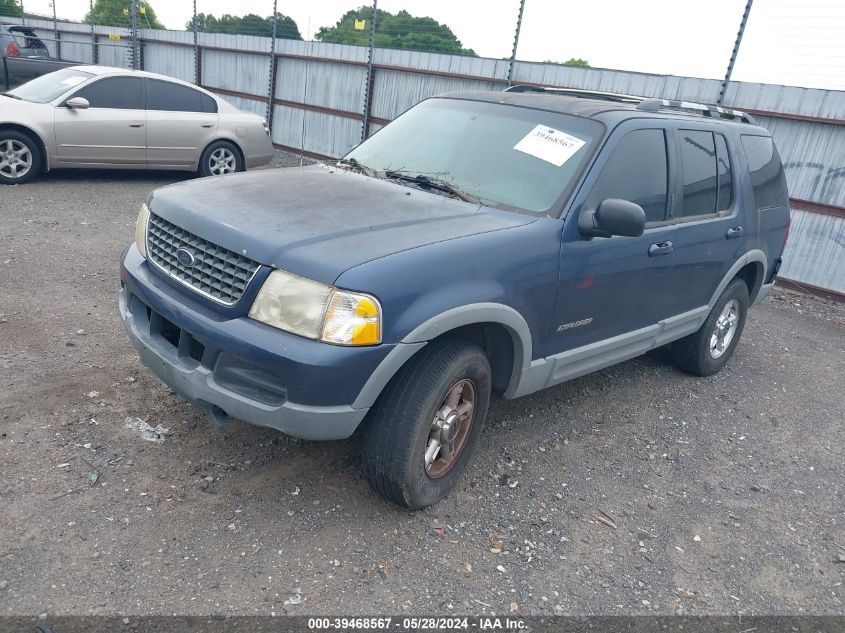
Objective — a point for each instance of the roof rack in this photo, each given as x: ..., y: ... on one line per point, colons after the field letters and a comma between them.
x: 645, y: 104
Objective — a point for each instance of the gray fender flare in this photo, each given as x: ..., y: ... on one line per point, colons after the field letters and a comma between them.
x: 471, y: 314
x: 755, y: 255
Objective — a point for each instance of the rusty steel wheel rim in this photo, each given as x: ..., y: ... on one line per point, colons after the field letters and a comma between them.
x: 450, y: 429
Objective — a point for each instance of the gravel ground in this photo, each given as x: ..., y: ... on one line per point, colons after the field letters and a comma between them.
x: 637, y: 489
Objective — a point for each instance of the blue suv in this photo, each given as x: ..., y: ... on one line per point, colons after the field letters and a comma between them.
x: 483, y: 242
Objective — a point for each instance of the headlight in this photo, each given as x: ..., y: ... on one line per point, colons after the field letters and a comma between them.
x: 317, y: 311
x: 141, y: 229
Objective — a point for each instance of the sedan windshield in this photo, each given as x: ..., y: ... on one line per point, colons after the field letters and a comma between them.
x: 47, y: 87
x: 504, y: 156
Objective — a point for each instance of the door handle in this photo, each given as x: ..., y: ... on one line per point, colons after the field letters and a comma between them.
x: 661, y: 248
x: 207, y: 125
x: 734, y: 232
x: 136, y: 125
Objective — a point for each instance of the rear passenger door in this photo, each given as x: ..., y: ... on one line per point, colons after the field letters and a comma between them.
x: 710, y: 232
x: 181, y: 122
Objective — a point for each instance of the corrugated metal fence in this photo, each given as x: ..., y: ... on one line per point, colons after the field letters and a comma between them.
x: 316, y: 96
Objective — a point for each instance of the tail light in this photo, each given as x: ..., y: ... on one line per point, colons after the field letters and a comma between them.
x: 13, y: 50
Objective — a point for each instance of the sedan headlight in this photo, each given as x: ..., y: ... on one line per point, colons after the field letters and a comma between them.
x: 317, y: 311
x: 141, y: 229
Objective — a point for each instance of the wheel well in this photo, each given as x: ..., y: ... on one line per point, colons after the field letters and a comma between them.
x: 752, y: 275
x: 230, y: 142
x: 497, y: 343
x: 33, y: 135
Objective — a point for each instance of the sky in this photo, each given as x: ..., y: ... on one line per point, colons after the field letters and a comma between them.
x: 792, y: 42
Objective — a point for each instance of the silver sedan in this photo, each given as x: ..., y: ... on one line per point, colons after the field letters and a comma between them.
x: 97, y: 117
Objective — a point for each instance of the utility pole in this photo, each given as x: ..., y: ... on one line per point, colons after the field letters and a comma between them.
x: 368, y: 91
x: 56, y: 33
x: 271, y: 88
x: 515, y: 42
x: 133, y: 23
x: 734, y: 53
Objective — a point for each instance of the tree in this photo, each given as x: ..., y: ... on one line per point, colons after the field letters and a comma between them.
x: 575, y: 61
x: 401, y: 30
x: 251, y: 24
x: 117, y: 13
x: 11, y: 7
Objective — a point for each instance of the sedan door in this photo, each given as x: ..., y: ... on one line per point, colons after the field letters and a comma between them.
x: 110, y: 132
x: 181, y: 122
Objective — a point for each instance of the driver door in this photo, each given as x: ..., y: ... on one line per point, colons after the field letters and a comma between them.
x: 110, y: 132
x: 612, y: 286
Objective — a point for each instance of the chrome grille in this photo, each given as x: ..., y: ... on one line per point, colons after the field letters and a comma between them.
x: 217, y: 273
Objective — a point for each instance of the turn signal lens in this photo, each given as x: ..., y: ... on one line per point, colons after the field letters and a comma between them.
x: 352, y: 319
x: 141, y: 229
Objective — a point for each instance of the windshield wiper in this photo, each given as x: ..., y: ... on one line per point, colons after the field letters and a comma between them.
x: 432, y: 182
x: 356, y: 166
x: 11, y: 96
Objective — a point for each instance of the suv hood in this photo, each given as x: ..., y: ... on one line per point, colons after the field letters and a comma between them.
x: 320, y: 221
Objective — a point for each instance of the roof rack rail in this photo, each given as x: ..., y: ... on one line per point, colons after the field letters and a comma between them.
x: 645, y: 104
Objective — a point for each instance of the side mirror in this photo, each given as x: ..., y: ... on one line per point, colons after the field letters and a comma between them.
x: 78, y: 103
x: 612, y: 217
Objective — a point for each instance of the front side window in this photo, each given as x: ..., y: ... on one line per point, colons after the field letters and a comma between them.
x: 767, y: 177
x: 636, y: 171
x: 117, y: 93
x: 509, y: 157
x: 171, y: 97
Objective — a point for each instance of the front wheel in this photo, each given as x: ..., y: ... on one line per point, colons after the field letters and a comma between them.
x: 220, y: 158
x: 20, y: 158
x: 709, y: 349
x: 421, y: 432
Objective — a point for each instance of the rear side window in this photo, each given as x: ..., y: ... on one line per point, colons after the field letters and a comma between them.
x: 26, y: 38
x: 170, y: 97
x: 118, y: 93
x: 707, y: 173
x: 637, y: 172
x: 767, y: 177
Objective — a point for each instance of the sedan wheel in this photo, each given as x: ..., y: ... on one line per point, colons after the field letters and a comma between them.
x: 15, y: 159
x: 222, y: 161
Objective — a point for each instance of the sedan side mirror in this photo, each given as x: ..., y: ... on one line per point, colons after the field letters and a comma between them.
x: 78, y: 103
x: 612, y: 217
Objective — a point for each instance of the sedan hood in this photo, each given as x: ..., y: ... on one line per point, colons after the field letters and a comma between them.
x: 320, y: 221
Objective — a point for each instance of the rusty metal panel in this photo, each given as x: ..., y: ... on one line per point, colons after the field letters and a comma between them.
x: 813, y: 156
x: 326, y: 84
x: 815, y: 252
x: 170, y: 60
x: 316, y: 132
x: 241, y: 72
x: 396, y: 91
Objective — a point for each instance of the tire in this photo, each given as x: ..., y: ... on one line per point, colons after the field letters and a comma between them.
x: 400, y: 426
x: 220, y: 158
x: 20, y: 157
x: 696, y: 354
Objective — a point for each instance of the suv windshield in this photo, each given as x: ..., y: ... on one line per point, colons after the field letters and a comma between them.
x: 48, y: 87
x: 504, y: 156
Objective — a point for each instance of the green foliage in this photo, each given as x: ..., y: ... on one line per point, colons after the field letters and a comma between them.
x: 251, y: 24
x: 111, y: 13
x: 401, y: 30
x: 575, y: 61
x: 11, y: 7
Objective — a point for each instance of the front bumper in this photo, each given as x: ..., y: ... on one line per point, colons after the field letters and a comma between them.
x: 241, y: 368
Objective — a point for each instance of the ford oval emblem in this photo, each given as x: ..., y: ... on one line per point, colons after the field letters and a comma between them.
x: 186, y: 257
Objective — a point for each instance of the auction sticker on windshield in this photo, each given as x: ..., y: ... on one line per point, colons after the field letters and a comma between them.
x: 550, y: 145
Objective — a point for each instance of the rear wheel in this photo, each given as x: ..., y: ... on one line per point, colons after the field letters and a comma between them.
x: 220, y: 158
x: 709, y: 349
x: 20, y: 157
x: 421, y: 432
